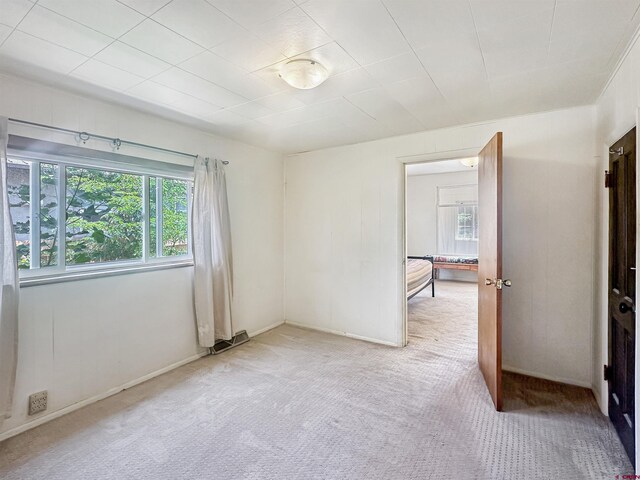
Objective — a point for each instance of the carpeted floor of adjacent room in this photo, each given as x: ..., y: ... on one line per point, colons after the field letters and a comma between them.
x: 299, y: 404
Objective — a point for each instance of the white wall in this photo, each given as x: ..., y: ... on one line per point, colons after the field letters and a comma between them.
x: 422, y: 215
x: 616, y: 115
x: 81, y: 340
x: 422, y: 218
x: 343, y: 264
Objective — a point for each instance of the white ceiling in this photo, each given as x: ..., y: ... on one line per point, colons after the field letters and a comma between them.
x: 441, y: 166
x: 397, y: 66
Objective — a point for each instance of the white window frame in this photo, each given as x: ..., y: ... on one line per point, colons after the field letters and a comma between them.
x: 62, y: 272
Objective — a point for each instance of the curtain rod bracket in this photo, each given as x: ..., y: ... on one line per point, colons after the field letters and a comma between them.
x: 224, y: 162
x: 84, y: 136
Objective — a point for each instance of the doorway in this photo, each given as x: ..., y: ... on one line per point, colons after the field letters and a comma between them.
x: 488, y: 263
x: 620, y: 372
x: 441, y: 231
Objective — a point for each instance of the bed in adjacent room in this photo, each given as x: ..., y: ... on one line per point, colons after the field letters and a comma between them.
x: 419, y: 275
x: 450, y: 262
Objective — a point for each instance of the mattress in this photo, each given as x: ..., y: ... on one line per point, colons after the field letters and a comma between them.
x: 418, y: 274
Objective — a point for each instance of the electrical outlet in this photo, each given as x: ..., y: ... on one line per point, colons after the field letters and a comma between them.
x: 37, y: 402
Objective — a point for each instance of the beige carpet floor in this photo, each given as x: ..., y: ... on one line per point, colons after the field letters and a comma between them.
x: 298, y: 404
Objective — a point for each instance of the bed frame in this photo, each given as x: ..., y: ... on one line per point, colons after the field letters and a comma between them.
x: 430, y: 282
x: 437, y: 266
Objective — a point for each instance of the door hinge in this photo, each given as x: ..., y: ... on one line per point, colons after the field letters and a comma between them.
x: 608, y: 179
x: 607, y: 373
x: 617, y: 151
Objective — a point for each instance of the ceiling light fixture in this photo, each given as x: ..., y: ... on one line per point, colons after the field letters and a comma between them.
x: 303, y: 73
x: 469, y: 162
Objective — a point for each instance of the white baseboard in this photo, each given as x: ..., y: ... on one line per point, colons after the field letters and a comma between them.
x: 112, y: 391
x: 568, y: 381
x: 83, y: 403
x: 342, y: 334
x: 265, y: 329
x: 602, y: 399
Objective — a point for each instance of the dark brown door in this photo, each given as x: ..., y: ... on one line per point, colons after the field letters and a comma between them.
x: 490, y: 267
x: 622, y: 288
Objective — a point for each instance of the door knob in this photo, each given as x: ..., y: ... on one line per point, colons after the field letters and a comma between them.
x: 498, y: 282
x: 624, y: 308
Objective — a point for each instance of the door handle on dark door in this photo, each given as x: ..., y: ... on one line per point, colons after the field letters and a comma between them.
x: 624, y: 308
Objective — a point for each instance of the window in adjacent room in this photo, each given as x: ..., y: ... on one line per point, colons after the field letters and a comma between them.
x: 467, y: 224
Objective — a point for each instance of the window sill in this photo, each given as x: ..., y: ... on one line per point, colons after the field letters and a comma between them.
x: 100, y: 273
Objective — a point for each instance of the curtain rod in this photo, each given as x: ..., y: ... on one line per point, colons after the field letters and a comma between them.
x: 115, y: 142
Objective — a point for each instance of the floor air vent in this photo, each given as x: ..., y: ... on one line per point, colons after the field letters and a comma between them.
x: 222, y: 345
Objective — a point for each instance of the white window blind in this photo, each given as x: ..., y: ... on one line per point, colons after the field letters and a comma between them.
x: 458, y: 195
x: 40, y: 150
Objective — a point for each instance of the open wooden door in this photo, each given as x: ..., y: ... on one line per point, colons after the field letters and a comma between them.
x: 490, y: 282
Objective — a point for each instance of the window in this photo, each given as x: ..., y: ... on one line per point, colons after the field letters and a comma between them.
x: 69, y: 217
x: 467, y: 223
x: 103, y: 216
x: 172, y: 220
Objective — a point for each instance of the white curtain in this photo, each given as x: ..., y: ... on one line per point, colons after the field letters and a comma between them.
x: 451, y: 199
x: 9, y: 288
x: 213, y: 278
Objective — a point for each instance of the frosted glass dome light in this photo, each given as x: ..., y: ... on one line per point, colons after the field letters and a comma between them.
x: 303, y: 73
x: 469, y: 162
